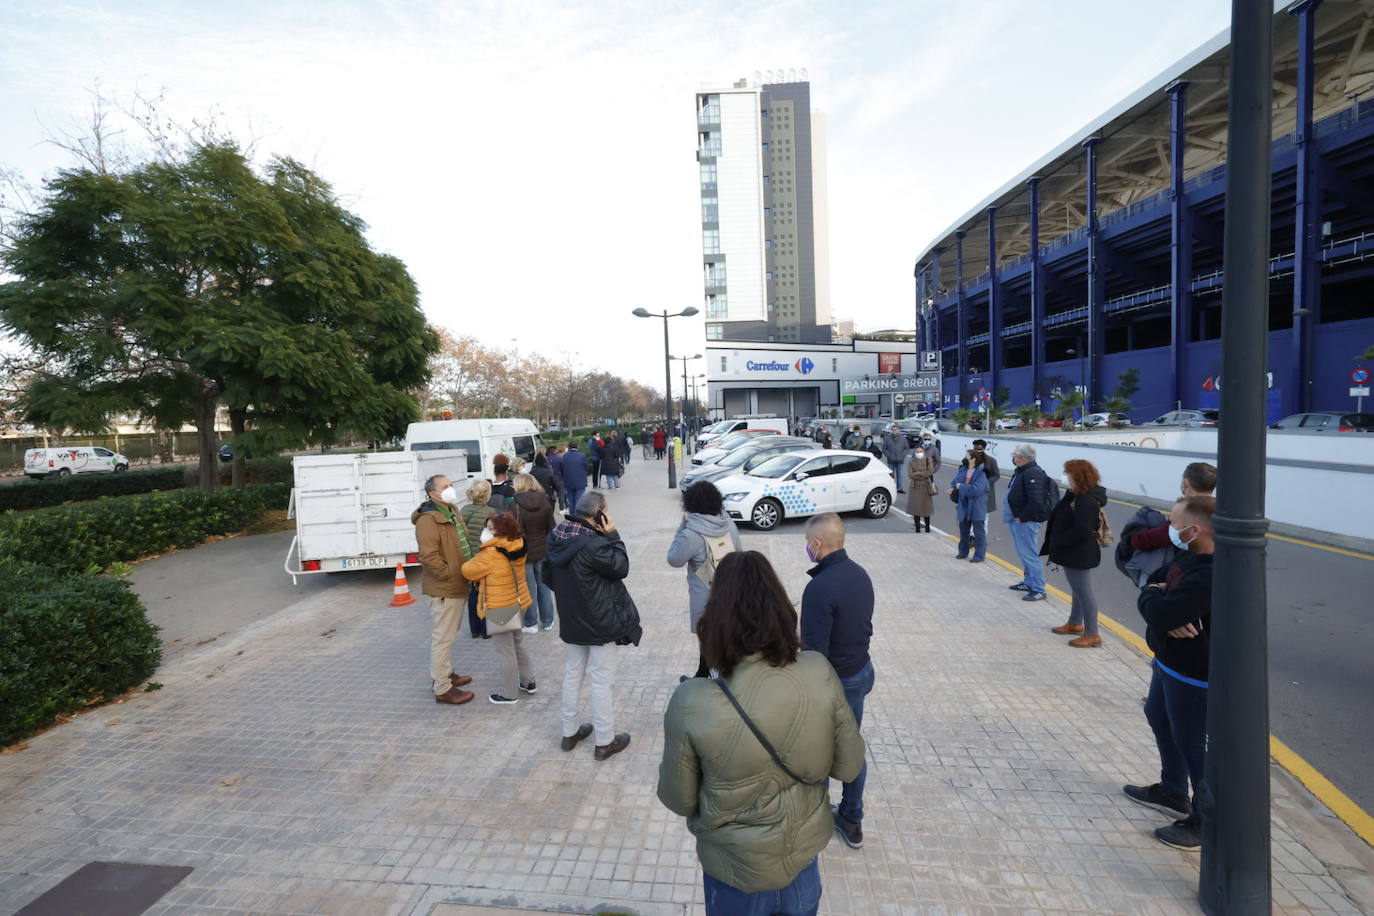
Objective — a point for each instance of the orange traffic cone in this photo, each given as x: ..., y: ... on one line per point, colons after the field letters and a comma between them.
x: 402, y: 596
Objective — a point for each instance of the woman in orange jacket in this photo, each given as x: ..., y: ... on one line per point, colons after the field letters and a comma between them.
x: 499, y: 570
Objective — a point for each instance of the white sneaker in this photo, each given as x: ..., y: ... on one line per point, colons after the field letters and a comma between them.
x: 529, y: 629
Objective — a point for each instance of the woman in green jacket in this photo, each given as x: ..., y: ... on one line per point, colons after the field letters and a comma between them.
x: 760, y: 816
x: 474, y: 518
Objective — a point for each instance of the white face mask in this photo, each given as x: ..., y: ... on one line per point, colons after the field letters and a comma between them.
x: 920, y: 453
x: 486, y: 535
x: 449, y: 496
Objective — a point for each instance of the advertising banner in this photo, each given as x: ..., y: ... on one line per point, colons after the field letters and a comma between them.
x: 916, y: 383
x: 890, y: 363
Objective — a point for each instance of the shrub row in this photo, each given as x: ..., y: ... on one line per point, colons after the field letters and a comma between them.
x: 66, y: 640
x: 272, y: 469
x: 77, y: 537
x: 54, y: 491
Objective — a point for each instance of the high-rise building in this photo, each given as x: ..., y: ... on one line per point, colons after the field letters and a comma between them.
x: 765, y: 249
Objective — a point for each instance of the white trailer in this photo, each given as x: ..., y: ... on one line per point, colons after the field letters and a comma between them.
x: 352, y: 511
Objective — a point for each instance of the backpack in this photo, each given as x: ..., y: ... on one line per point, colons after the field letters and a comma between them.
x: 717, y: 548
x: 1052, y: 495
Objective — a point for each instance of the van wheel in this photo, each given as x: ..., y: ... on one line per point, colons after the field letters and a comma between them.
x: 121, y: 467
x: 766, y: 515
x: 64, y: 472
x: 877, y: 504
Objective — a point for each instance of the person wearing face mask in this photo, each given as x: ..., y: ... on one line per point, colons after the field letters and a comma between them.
x: 1024, y: 511
x: 894, y: 452
x: 474, y: 517
x: 443, y: 548
x: 920, y: 475
x: 1071, y: 541
x: 837, y: 621
x: 499, y: 571
x: 932, y: 448
x: 969, y: 489
x: 990, y: 470
x: 1145, y: 545
x: 1177, y: 609
x: 869, y: 447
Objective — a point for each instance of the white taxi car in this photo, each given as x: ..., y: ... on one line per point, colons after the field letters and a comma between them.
x: 808, y: 483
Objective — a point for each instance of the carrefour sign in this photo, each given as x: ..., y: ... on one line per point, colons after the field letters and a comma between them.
x: 803, y: 366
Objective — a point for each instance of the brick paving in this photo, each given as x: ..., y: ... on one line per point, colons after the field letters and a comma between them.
x: 302, y: 767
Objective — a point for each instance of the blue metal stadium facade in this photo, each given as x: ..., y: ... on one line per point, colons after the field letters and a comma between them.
x: 1137, y: 284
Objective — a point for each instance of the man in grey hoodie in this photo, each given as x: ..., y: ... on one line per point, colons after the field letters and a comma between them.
x: 705, y: 520
x: 895, y: 449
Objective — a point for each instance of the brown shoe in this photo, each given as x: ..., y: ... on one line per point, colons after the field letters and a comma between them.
x: 1086, y: 642
x: 455, y: 696
x: 618, y: 744
x: 1067, y: 629
x: 459, y: 680
x: 974, y: 560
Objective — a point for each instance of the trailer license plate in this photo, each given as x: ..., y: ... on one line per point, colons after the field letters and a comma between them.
x: 365, y: 562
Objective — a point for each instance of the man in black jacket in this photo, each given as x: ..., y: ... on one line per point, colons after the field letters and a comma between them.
x: 588, y: 564
x: 1178, y: 625
x: 1025, y: 511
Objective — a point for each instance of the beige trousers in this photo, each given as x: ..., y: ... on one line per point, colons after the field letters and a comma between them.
x: 448, y: 617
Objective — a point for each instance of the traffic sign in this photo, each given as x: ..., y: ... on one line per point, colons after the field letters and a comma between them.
x: 1359, y: 392
x: 899, y: 398
x: 1360, y: 375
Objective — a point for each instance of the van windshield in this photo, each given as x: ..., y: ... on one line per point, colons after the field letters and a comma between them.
x: 473, y: 448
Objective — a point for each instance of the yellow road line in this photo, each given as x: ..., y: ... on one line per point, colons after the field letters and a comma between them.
x: 1279, y: 537
x: 1341, y: 805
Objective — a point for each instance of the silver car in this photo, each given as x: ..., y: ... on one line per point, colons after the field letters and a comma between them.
x: 1333, y: 421
x: 1193, y: 419
x: 747, y: 457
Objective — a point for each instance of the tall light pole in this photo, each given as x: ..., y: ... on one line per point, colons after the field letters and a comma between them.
x: 685, y: 360
x: 688, y: 312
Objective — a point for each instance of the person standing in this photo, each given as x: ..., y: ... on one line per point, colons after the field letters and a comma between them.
x: 932, y: 447
x: 757, y: 803
x: 1178, y: 626
x: 646, y: 438
x: 574, y: 477
x: 556, y: 465
x: 543, y: 474
x: 1145, y: 545
x: 595, y: 446
x: 499, y: 571
x: 1071, y: 542
x: 970, y: 492
x: 474, y: 518
x: 1025, y: 512
x: 611, y: 459
x: 588, y: 563
x: 920, y: 475
x: 502, y: 492
x: 895, y: 449
x: 837, y: 622
x: 443, y: 547
x: 994, y: 473
x: 534, y: 512
x: 699, y: 544
x: 660, y: 442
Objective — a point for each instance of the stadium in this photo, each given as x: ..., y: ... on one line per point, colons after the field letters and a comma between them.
x: 1105, y: 254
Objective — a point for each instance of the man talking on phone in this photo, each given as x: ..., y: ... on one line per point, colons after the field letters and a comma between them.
x: 1177, y: 610
x: 587, y: 564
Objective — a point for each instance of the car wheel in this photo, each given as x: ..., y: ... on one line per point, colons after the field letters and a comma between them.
x: 64, y: 472
x: 877, y: 503
x: 121, y: 467
x: 767, y: 514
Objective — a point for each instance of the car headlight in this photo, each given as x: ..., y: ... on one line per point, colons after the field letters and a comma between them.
x: 734, y: 497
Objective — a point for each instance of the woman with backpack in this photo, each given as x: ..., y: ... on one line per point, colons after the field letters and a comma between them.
x: 1074, y: 539
x: 707, y: 534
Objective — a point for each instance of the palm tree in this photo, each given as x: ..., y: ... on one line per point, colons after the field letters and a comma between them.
x: 961, y: 416
x: 1029, y: 414
x: 1068, y: 402
x: 994, y: 413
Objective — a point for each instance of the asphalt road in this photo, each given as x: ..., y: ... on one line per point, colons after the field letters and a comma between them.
x: 1321, y: 636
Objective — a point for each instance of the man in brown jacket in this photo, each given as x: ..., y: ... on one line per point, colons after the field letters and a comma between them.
x: 443, y: 550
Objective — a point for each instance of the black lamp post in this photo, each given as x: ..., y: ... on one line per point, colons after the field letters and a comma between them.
x: 688, y: 312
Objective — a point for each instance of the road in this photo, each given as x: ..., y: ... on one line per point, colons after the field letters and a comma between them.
x: 1321, y: 636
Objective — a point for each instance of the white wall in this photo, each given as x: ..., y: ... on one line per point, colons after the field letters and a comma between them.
x: 739, y: 183
x: 1335, y: 448
x: 1328, y: 499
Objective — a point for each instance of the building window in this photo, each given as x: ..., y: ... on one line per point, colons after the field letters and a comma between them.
x: 708, y: 176
x: 710, y: 241
x: 715, y: 332
x: 835, y: 365
x: 710, y: 210
x: 715, y: 274
x: 765, y: 147
x: 717, y: 307
x: 722, y: 360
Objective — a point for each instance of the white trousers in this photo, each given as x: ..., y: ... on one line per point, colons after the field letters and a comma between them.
x: 599, y: 662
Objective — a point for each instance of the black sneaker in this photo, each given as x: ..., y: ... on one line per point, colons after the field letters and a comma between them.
x: 1184, y: 835
x: 1033, y: 596
x: 1159, y: 798
x: 570, y: 741
x: 1020, y: 587
x: 501, y: 701
x: 528, y: 688
x: 618, y: 744
x: 851, y: 833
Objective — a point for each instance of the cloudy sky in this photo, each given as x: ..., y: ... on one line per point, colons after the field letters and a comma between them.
x: 532, y: 161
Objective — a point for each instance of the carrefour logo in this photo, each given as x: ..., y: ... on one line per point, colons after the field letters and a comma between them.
x: 803, y: 365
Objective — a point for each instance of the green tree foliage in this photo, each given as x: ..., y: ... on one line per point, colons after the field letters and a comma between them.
x: 1029, y: 415
x: 178, y: 286
x: 1069, y: 401
x: 1128, y: 383
x: 995, y: 411
x: 1367, y: 354
x: 961, y: 417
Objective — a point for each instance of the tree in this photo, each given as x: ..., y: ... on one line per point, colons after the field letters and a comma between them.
x: 995, y: 411
x: 1029, y: 415
x: 961, y: 416
x: 1128, y: 383
x: 1367, y: 354
x: 1069, y: 401
x: 189, y: 283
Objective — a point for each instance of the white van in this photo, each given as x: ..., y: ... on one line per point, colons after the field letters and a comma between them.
x: 76, y: 459
x: 483, y: 440
x: 725, y: 427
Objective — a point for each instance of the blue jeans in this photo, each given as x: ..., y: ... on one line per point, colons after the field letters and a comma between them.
x: 856, y: 687
x: 1177, y: 713
x: 541, y: 611
x: 800, y: 898
x: 975, y: 535
x: 899, y: 473
x: 613, y: 481
x: 1026, y: 537
x: 573, y: 497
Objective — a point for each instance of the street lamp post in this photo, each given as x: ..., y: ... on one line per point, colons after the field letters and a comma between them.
x: 688, y: 312
x: 685, y: 360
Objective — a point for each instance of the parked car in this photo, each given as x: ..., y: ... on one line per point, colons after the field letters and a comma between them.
x: 1193, y: 419
x: 747, y: 457
x: 1115, y: 420
x: 721, y: 447
x: 1049, y: 423
x: 717, y: 431
x: 76, y: 459
x: 912, y: 428
x: 1327, y: 421
x: 806, y: 483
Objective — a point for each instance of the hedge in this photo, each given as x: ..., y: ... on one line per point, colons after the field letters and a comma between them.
x: 65, y: 641
x: 54, y: 491
x: 272, y: 469
x: 77, y: 537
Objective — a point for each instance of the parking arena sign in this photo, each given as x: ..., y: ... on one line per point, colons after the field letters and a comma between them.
x: 918, y: 383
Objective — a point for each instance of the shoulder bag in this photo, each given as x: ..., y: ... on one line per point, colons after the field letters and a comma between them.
x: 720, y: 682
x: 506, y: 619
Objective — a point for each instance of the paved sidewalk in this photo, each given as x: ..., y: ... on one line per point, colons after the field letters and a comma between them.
x: 301, y: 766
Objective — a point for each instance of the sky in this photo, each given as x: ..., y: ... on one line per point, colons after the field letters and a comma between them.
x: 533, y: 161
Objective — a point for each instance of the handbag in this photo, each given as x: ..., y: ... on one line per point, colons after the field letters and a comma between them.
x: 506, y: 619
x: 720, y: 682
x: 931, y: 488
